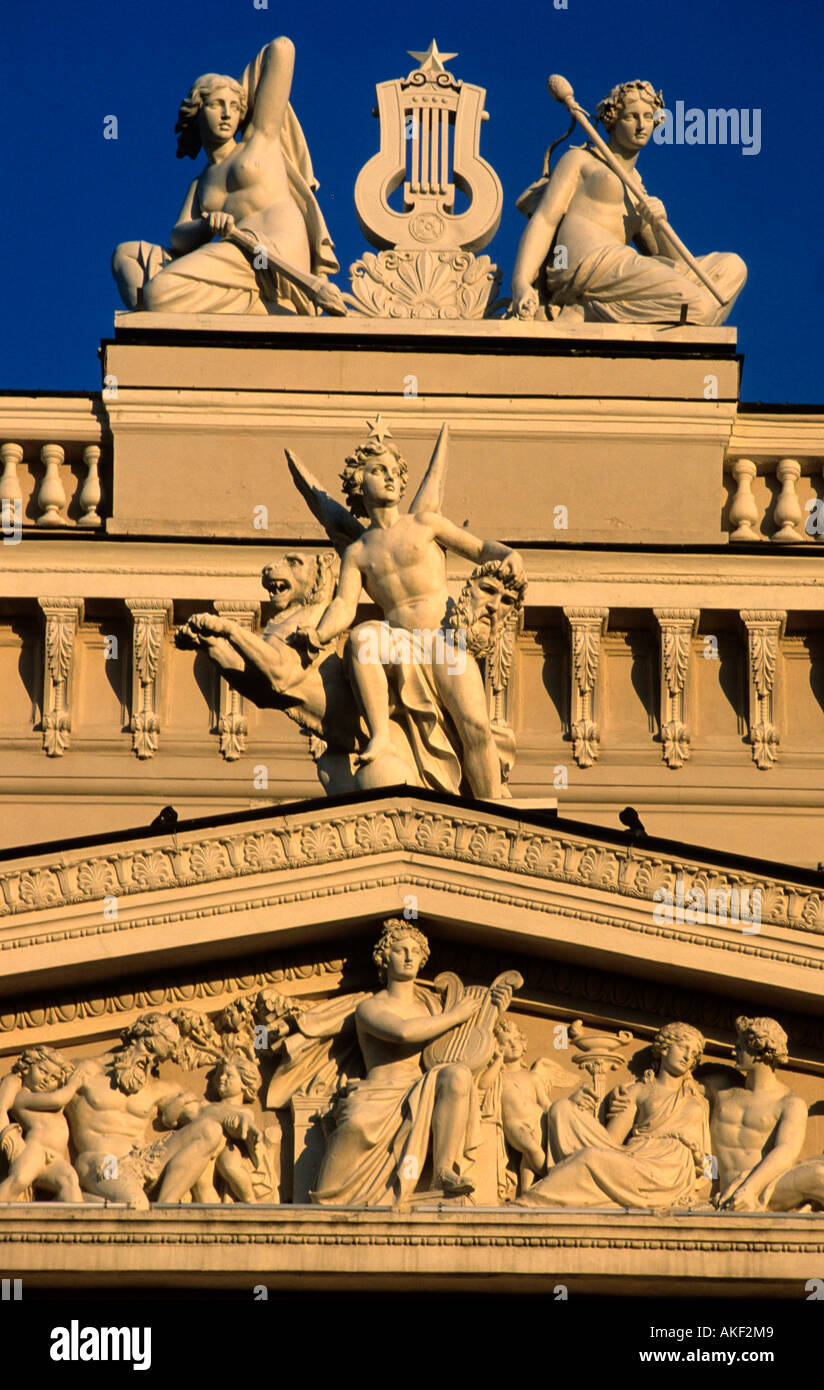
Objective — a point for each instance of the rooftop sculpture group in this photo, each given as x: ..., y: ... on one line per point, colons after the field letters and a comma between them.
x: 250, y: 237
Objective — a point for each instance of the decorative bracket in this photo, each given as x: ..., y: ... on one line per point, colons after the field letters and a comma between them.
x: 765, y: 628
x: 233, y: 725
x: 677, y: 627
x: 587, y: 627
x: 151, y: 621
x: 63, y: 617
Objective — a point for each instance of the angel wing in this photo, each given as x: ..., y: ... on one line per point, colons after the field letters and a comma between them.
x: 553, y: 1075
x: 429, y: 497
x: 339, y: 524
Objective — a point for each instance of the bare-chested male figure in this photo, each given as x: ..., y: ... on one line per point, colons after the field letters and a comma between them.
x: 583, y: 223
x: 399, y: 560
x: 757, y: 1129
x: 117, y: 1096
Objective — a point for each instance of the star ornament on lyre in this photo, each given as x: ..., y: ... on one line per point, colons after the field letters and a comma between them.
x: 432, y: 61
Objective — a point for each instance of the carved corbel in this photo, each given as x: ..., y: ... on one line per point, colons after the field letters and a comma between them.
x: 677, y: 627
x: 151, y: 620
x: 587, y: 626
x: 233, y: 725
x: 63, y: 617
x: 765, y: 628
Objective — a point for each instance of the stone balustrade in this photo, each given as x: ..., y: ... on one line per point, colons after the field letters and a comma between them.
x: 50, y: 486
x: 779, y: 500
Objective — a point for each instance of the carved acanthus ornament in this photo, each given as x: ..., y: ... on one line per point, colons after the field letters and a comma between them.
x: 677, y: 627
x: 233, y: 724
x: 765, y: 628
x: 151, y: 621
x: 425, y: 284
x: 63, y: 617
x: 587, y: 627
x: 425, y: 267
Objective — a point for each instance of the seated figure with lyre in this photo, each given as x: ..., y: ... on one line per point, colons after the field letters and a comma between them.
x: 421, y: 1056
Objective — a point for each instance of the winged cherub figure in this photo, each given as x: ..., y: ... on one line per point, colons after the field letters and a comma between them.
x: 399, y: 560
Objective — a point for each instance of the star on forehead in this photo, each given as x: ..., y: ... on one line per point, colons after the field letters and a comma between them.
x: 378, y: 431
x: 432, y: 61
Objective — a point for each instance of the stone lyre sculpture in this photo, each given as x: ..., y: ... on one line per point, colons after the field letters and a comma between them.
x: 401, y: 701
x: 653, y: 1150
x: 250, y: 237
x: 577, y: 253
x: 430, y: 127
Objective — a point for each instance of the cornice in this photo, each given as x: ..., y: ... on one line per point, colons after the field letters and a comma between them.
x: 245, y: 885
x: 50, y: 1243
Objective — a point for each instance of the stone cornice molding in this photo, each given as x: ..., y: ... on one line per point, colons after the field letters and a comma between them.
x: 240, y: 1245
x: 245, y: 886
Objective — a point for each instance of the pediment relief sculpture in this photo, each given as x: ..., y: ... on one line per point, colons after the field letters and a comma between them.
x: 418, y: 1092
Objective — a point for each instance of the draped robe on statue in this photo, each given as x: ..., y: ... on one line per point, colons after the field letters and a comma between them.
x: 218, y: 278
x: 616, y: 284
x: 656, y: 1167
x: 391, y: 1126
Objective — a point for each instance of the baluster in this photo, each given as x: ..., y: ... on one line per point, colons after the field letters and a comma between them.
x: 52, y: 495
x: 90, y: 493
x: 11, y: 498
x: 10, y: 456
x: 744, y: 511
x: 787, y: 514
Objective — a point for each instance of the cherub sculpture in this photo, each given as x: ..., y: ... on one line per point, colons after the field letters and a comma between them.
x: 34, y: 1134
x: 246, y: 1162
x: 524, y: 1097
x: 416, y: 661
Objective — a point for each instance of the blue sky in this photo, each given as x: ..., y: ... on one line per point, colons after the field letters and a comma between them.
x: 74, y: 195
